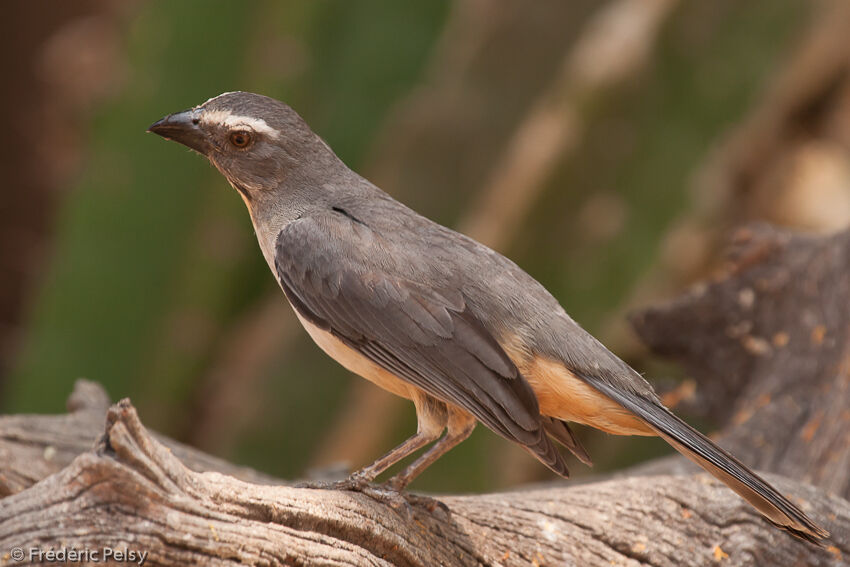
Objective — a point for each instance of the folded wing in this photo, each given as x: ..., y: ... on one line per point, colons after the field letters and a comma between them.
x: 421, y: 333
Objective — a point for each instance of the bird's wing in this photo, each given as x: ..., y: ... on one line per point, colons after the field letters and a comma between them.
x: 422, y: 334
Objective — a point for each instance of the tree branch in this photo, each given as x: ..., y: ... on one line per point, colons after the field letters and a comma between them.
x: 769, y: 339
x: 33, y: 447
x: 133, y: 492
x: 768, y: 343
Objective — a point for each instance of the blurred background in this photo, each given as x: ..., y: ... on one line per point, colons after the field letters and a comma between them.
x: 607, y: 147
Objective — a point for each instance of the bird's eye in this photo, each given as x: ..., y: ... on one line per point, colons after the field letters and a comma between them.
x: 240, y: 138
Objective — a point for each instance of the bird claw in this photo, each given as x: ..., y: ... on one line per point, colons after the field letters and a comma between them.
x: 429, y: 503
x: 405, y: 502
x: 351, y: 484
x: 387, y: 493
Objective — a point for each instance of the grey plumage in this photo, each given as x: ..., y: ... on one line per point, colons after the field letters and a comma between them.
x: 339, y: 274
x: 437, y: 310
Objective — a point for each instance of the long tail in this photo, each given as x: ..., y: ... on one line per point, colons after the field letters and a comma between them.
x: 697, y: 447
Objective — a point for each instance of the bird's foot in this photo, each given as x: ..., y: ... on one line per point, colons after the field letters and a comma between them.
x: 353, y: 483
x: 429, y: 503
x: 388, y: 493
x: 405, y: 503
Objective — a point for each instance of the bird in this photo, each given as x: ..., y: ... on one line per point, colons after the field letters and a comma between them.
x: 432, y: 315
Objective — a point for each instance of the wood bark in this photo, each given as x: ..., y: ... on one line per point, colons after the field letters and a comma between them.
x: 767, y: 340
x: 35, y: 447
x: 133, y: 492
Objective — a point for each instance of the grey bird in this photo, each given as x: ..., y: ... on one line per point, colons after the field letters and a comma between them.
x: 430, y: 314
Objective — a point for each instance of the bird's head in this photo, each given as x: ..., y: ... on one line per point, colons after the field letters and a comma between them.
x: 257, y: 142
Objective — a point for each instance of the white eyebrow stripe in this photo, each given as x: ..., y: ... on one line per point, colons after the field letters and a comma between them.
x: 217, y: 96
x: 230, y: 120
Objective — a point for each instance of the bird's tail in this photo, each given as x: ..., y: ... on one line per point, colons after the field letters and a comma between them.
x: 698, y: 448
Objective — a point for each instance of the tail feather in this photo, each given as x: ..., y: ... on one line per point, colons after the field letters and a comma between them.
x: 561, y: 432
x: 775, y: 507
x: 546, y: 452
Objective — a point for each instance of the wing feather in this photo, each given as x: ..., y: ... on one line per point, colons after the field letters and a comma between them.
x: 423, y: 334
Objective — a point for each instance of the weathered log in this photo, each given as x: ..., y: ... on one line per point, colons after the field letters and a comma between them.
x: 768, y: 342
x: 33, y: 447
x: 133, y: 493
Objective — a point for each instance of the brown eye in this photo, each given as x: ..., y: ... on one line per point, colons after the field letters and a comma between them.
x: 240, y: 138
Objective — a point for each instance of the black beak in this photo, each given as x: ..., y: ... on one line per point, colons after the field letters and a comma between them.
x: 183, y: 127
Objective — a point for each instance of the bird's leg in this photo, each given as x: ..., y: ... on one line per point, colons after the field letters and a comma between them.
x: 368, y: 473
x: 431, y: 417
x: 460, y: 426
x: 360, y: 479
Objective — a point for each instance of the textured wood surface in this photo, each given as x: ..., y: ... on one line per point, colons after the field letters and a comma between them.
x: 131, y: 491
x: 767, y: 342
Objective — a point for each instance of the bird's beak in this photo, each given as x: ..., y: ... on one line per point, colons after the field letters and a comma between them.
x: 183, y: 127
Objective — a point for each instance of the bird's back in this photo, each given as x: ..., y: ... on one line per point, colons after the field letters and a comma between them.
x: 517, y: 310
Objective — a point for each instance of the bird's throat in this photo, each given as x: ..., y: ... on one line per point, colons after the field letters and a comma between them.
x: 246, y: 195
